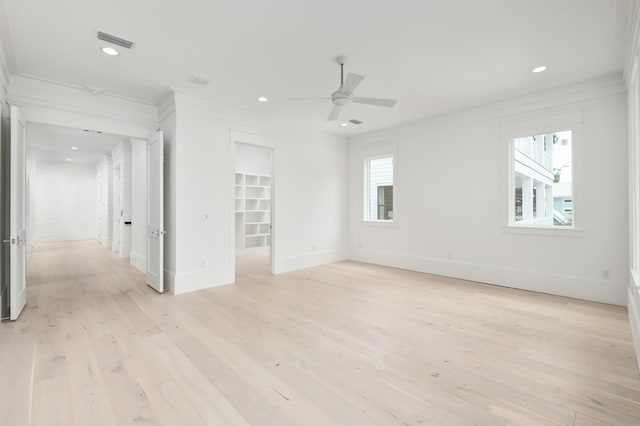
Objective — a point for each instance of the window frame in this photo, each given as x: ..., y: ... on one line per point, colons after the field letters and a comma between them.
x: 567, y: 121
x: 366, y: 161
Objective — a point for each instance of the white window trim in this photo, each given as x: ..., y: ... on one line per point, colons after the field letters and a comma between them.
x: 373, y: 153
x: 540, y: 125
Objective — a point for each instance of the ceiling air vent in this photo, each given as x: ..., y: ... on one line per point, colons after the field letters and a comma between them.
x: 194, y: 79
x: 354, y: 121
x: 109, y: 38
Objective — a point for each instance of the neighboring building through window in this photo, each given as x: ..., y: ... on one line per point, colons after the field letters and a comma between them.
x: 542, y: 177
x: 379, y: 189
x: 385, y: 202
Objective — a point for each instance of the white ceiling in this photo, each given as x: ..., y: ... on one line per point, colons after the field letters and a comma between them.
x: 53, y: 144
x: 434, y: 56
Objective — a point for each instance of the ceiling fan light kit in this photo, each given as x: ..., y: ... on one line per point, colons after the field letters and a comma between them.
x: 344, y: 95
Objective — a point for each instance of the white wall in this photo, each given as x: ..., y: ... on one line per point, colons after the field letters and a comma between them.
x: 121, y: 158
x: 309, y: 192
x: 30, y: 172
x: 310, y: 207
x: 63, y: 202
x: 139, y: 205
x: 451, y: 198
x: 103, y: 203
x: 253, y: 159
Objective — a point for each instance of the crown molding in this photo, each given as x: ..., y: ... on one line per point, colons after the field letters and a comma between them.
x: 38, y: 93
x: 166, y: 106
x: 83, y: 89
x: 235, y: 116
x: 562, y: 98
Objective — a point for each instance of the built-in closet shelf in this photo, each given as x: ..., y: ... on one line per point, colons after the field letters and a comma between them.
x: 253, y: 210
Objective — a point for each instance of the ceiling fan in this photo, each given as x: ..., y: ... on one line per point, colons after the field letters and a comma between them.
x: 344, y: 95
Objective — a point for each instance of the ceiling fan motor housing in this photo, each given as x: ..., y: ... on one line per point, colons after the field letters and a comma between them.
x: 341, y: 98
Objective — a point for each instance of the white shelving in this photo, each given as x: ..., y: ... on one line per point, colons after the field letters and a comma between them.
x: 253, y: 210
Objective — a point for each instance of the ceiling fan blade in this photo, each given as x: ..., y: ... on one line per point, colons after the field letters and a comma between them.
x: 389, y: 103
x: 352, y: 81
x: 296, y: 98
x: 335, y: 112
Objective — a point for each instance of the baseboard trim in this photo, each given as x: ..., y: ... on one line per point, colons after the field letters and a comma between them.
x: 139, y: 262
x: 604, y: 291
x: 308, y: 260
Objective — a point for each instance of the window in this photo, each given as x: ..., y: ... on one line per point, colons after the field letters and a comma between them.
x: 379, y: 189
x: 385, y: 202
x: 542, y: 179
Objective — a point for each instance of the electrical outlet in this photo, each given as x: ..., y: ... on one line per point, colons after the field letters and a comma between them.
x: 450, y: 256
x: 606, y: 274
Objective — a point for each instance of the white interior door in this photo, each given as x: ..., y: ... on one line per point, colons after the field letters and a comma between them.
x: 17, y: 227
x: 155, y: 218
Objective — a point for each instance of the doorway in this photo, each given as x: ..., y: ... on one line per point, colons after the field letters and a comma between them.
x: 253, y: 200
x: 78, y: 190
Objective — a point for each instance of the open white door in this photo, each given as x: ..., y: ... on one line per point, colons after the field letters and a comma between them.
x: 17, y: 227
x: 155, y: 217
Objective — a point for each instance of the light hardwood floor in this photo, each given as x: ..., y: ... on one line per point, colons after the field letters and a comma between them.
x: 347, y: 343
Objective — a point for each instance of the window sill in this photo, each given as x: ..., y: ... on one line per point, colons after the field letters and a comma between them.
x: 544, y: 230
x: 379, y: 223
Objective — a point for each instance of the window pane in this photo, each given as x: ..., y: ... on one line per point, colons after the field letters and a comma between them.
x: 380, y: 189
x: 385, y: 202
x: 543, y: 180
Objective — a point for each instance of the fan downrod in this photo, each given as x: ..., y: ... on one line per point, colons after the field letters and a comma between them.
x: 341, y: 60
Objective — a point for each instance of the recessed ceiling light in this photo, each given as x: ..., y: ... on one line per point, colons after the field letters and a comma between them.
x: 109, y: 51
x: 263, y: 99
x: 68, y: 160
x: 539, y: 69
x: 344, y: 124
x: 74, y: 148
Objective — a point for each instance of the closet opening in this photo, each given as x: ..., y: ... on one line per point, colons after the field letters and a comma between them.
x: 253, y: 186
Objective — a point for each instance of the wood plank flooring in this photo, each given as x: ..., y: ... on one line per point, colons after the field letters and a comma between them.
x: 347, y: 343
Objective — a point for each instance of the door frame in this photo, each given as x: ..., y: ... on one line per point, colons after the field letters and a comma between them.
x: 264, y: 141
x: 73, y: 120
x: 116, y: 219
